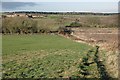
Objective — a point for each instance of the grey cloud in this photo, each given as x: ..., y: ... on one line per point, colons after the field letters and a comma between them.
x: 14, y: 5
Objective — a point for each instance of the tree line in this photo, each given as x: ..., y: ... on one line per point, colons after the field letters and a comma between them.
x: 65, y: 13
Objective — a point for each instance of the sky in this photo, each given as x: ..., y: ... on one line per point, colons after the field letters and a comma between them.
x: 60, y: 0
x: 102, y: 6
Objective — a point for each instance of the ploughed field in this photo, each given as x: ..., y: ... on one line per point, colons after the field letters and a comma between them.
x: 106, y: 38
x: 47, y: 56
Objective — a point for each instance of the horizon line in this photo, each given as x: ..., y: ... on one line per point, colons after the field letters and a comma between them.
x: 61, y: 11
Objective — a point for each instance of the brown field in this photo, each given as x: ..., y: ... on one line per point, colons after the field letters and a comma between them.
x: 107, y: 39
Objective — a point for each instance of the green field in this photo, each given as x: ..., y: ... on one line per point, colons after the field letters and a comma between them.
x: 49, y: 56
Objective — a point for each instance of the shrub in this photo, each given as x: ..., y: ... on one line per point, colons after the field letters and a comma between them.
x: 75, y: 24
x: 19, y: 25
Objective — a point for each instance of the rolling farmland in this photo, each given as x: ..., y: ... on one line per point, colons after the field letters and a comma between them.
x: 52, y: 46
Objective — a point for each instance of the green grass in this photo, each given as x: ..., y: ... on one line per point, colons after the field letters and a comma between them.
x: 34, y: 56
x: 16, y: 44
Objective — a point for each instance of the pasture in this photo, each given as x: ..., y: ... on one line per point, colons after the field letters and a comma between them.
x: 47, y: 56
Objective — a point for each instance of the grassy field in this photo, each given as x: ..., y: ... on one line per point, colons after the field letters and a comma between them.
x: 50, y: 56
x: 53, y: 22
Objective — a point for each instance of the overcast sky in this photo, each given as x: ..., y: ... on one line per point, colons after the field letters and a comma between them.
x: 61, y: 5
x: 60, y: 0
